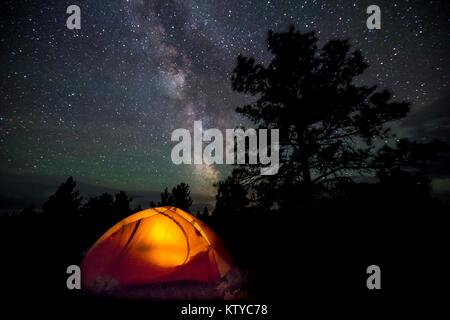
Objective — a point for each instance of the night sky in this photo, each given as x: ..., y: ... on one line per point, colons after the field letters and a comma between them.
x: 100, y: 103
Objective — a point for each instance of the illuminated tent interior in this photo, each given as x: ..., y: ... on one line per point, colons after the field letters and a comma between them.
x: 156, y: 245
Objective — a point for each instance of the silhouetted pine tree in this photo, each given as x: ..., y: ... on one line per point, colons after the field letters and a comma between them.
x: 329, y: 124
x: 231, y: 197
x: 121, y: 205
x: 166, y: 198
x: 65, y: 202
x: 181, y: 196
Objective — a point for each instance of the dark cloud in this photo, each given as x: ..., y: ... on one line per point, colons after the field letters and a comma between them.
x: 428, y: 123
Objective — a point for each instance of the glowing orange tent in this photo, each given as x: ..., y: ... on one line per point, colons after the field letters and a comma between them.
x: 153, y: 246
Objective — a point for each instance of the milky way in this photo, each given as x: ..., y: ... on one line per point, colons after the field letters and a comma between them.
x: 100, y: 103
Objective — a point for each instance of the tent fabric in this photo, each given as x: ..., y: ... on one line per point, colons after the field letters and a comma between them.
x: 156, y: 245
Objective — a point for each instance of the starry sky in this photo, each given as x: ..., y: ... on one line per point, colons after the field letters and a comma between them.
x: 100, y: 103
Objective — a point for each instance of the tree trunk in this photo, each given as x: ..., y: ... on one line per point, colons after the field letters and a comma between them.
x: 307, y: 189
x: 307, y: 185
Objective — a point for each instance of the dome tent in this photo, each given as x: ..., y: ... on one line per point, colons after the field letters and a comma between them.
x: 156, y: 245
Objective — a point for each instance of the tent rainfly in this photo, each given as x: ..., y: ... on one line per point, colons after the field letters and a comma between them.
x: 153, y: 246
